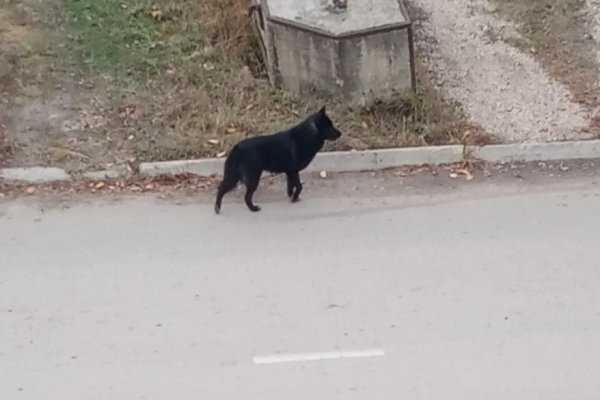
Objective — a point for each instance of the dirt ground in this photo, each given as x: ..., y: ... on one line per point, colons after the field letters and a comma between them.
x: 92, y: 84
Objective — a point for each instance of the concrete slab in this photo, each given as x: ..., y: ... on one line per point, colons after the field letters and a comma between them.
x: 112, y: 173
x: 348, y: 161
x: 34, y: 174
x: 205, y: 167
x: 583, y: 149
x: 360, y: 15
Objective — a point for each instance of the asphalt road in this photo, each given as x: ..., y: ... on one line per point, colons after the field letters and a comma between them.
x: 491, y: 294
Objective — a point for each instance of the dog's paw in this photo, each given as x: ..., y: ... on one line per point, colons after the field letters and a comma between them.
x: 295, y: 199
x: 255, y: 208
x: 217, y: 209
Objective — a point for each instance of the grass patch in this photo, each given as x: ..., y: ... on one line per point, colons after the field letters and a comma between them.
x: 114, y: 39
x: 134, y: 41
x: 556, y: 32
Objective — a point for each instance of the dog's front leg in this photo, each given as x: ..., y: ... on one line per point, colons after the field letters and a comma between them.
x: 294, y: 178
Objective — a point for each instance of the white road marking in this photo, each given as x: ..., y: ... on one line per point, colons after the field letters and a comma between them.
x: 283, y: 358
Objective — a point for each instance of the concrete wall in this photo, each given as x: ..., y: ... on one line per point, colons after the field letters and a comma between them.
x: 356, y: 68
x: 376, y: 65
x: 303, y: 61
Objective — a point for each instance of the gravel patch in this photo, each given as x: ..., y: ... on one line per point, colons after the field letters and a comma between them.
x: 593, y: 7
x: 499, y: 87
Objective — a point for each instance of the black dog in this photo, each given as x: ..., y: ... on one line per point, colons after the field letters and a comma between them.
x: 288, y: 152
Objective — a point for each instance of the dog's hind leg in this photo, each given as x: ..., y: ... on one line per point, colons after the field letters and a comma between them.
x: 251, y: 179
x: 294, y: 180
x: 228, y: 183
x: 290, y: 186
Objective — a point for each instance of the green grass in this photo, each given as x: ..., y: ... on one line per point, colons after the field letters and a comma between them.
x: 122, y: 39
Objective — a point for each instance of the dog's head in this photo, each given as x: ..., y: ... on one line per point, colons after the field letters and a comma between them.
x: 325, y: 125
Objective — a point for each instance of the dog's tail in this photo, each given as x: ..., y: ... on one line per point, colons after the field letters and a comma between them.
x: 231, y: 176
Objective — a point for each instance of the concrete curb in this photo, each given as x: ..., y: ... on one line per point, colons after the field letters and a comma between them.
x: 345, y: 161
x: 379, y: 159
x: 34, y: 174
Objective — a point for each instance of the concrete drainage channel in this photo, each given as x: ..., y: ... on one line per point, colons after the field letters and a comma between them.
x: 350, y: 161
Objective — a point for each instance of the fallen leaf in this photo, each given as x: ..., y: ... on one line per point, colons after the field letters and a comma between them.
x: 221, y: 154
x: 323, y: 174
x: 466, y: 173
x: 232, y: 130
x: 213, y: 141
x: 149, y: 186
x: 30, y: 190
x: 99, y: 185
x: 453, y: 175
x: 156, y: 13
x: 208, y: 66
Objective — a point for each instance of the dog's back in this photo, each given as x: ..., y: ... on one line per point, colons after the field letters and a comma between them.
x: 273, y: 153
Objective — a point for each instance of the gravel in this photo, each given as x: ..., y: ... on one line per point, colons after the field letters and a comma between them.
x: 593, y: 7
x: 499, y: 87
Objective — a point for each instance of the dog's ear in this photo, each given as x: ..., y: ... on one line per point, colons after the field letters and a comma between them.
x: 322, y: 111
